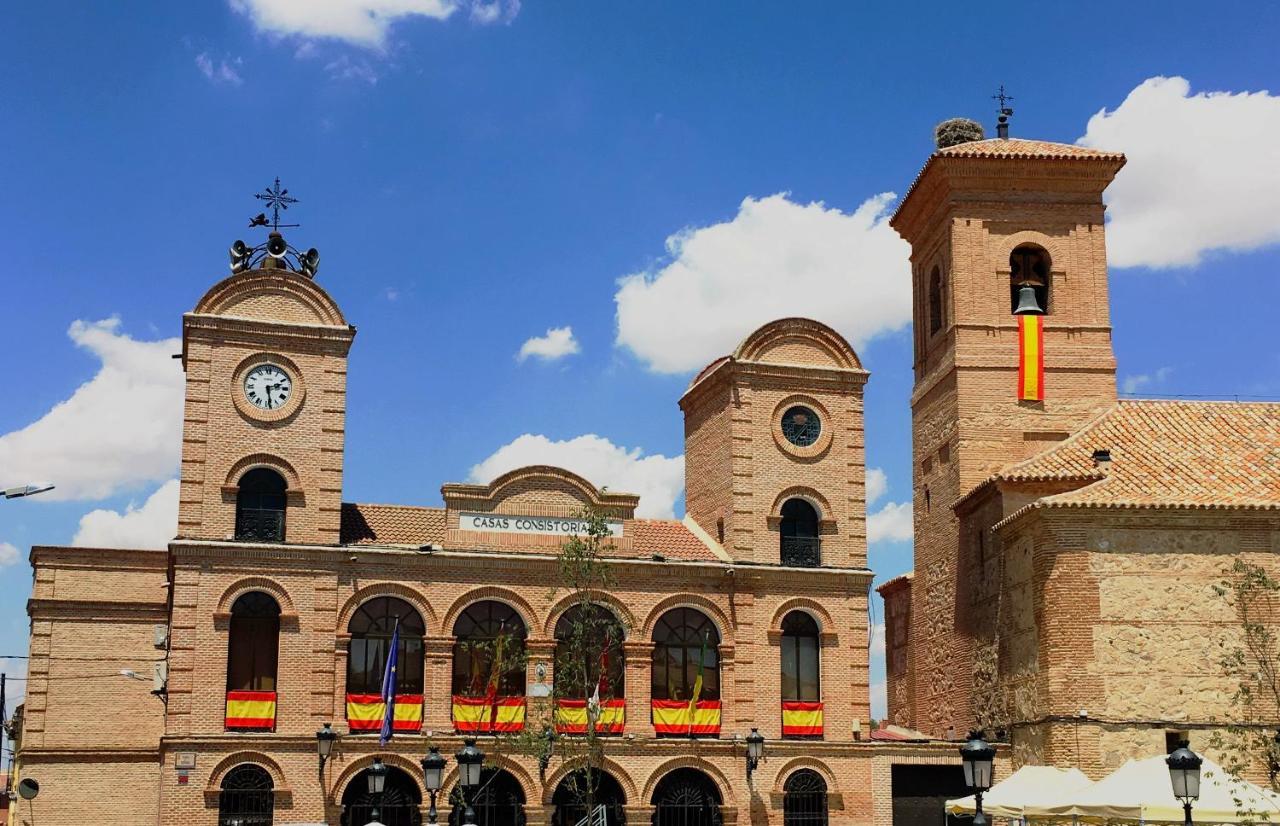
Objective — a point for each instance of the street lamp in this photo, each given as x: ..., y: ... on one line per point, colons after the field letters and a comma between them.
x: 377, y: 777
x: 1184, y: 773
x: 755, y: 751
x: 324, y: 744
x: 433, y: 778
x: 470, y: 761
x: 26, y: 490
x: 979, y: 760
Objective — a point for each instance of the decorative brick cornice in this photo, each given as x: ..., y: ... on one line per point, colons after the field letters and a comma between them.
x: 71, y: 609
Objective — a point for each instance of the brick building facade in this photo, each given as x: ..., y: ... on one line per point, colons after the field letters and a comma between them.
x: 1066, y: 546
x: 269, y: 615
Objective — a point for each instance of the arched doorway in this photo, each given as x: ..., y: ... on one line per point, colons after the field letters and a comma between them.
x: 499, y: 801
x: 246, y: 798
x: 398, y: 805
x: 686, y: 797
x: 571, y: 797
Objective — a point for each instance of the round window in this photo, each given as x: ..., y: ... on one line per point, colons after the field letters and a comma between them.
x: 801, y: 426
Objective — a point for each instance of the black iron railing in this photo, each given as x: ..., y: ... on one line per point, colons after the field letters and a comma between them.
x: 802, y: 551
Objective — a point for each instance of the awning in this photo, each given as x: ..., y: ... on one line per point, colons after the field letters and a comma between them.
x: 1029, y: 785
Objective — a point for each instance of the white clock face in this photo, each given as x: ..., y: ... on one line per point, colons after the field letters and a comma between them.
x: 267, y: 386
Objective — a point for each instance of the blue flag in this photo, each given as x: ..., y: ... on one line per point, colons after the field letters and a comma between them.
x: 389, y: 686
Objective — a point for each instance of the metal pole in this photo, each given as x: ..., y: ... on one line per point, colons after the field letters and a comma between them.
x: 979, y: 819
x: 432, y: 815
x: 1186, y: 807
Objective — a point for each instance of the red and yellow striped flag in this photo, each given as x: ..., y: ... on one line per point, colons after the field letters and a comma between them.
x: 1031, y: 358
x: 365, y: 712
x: 476, y: 714
x: 681, y: 717
x: 251, y: 710
x: 571, y: 716
x: 801, y: 719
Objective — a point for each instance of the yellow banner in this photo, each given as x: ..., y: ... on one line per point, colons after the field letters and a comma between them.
x: 800, y: 719
x: 251, y: 709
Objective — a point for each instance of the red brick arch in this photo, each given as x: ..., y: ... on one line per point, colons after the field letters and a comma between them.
x: 611, y: 767
x: 293, y: 482
x: 256, y: 583
x: 717, y: 777
x: 500, y: 761
x: 388, y: 589
x: 490, y: 592
x: 239, y: 758
x: 621, y: 611
x: 352, y: 770
x: 809, y: 606
x: 795, y: 764
x: 697, y: 601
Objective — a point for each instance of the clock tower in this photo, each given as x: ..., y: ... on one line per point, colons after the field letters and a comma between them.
x: 265, y: 356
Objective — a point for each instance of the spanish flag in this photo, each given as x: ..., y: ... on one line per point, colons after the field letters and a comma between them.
x: 801, y: 719
x: 571, y: 716
x: 476, y: 714
x: 365, y: 712
x: 1031, y: 357
x: 683, y: 717
x: 251, y: 710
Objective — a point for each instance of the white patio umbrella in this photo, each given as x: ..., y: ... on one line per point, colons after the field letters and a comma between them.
x: 1028, y: 785
x: 1140, y: 790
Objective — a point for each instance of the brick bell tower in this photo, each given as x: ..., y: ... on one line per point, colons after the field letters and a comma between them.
x: 265, y: 355
x: 774, y: 449
x: 1012, y: 353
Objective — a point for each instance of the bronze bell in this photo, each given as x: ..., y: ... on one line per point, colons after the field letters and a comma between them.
x: 1028, y: 304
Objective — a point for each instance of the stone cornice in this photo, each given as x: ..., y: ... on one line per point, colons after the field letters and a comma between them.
x: 812, y: 376
x: 86, y: 609
x: 259, y: 333
x: 115, y: 558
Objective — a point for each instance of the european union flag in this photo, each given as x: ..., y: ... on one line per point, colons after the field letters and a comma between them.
x: 389, y: 687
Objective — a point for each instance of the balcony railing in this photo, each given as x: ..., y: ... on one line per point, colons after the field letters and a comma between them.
x: 260, y: 524
x: 802, y: 551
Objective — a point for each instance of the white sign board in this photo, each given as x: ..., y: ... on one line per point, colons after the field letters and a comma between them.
x: 546, y: 525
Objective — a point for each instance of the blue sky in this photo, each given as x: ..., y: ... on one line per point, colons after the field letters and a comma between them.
x: 477, y: 179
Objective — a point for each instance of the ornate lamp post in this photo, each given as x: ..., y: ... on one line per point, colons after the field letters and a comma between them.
x: 470, y: 762
x: 755, y: 751
x: 377, y: 777
x: 979, y: 763
x: 325, y: 738
x: 1184, y: 773
x: 432, y: 778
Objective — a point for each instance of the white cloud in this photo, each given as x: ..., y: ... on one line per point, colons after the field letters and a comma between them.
x: 1201, y: 173
x: 657, y: 479
x: 150, y: 526
x: 494, y: 11
x: 1132, y: 384
x: 117, y: 431
x: 9, y: 554
x: 877, y: 639
x: 344, y: 68
x: 877, y: 484
x: 892, y: 523
x: 363, y: 23
x: 221, y: 71
x: 556, y: 344
x: 775, y: 258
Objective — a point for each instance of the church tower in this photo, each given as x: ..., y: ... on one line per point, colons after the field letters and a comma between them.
x: 265, y: 356
x: 1012, y: 353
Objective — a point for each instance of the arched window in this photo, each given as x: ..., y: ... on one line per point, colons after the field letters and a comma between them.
x: 800, y: 679
x: 371, y: 627
x: 398, y: 805
x: 580, y: 788
x: 804, y: 800
x: 686, y: 797
x: 1029, y: 269
x: 499, y: 801
x: 935, y: 301
x: 798, y: 534
x: 588, y: 641
x: 686, y: 647
x: 253, y: 643
x: 247, y: 797
x: 260, y: 506
x: 488, y: 650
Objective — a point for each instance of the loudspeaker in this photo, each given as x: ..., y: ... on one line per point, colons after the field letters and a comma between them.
x: 276, y: 247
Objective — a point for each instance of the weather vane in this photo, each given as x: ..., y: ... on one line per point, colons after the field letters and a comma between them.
x: 277, y: 199
x: 1002, y: 121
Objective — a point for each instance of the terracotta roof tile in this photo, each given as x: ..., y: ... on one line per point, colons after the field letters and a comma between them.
x: 1021, y: 148
x: 668, y: 538
x: 390, y: 525
x: 1168, y: 453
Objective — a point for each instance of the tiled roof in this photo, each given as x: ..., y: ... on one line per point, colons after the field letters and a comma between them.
x: 888, y: 731
x: 1170, y: 454
x: 668, y: 538
x: 390, y: 525
x: 1020, y: 148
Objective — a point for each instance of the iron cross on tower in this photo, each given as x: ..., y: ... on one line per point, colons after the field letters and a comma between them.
x: 1002, y: 122
x: 277, y: 199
